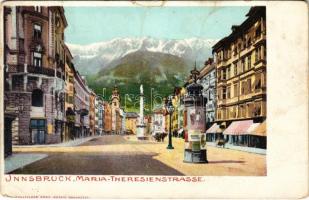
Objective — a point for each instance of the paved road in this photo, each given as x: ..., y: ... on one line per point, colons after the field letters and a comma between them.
x: 124, y: 155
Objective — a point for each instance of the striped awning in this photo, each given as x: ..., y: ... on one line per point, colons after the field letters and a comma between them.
x: 251, y: 129
x: 212, y: 128
x: 259, y: 130
x: 215, y: 128
x: 238, y: 127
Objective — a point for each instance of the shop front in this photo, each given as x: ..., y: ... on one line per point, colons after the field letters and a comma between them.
x: 246, y: 133
x: 38, y: 131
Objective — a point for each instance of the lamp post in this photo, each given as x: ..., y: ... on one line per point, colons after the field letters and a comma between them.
x: 170, y: 109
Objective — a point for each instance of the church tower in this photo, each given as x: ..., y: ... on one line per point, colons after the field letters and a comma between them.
x: 115, y: 107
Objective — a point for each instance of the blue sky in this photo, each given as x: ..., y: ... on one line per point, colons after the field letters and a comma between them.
x: 88, y: 25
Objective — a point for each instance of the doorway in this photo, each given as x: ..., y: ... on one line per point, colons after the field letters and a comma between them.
x: 38, y: 131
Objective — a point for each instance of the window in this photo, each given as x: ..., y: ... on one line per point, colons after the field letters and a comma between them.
x: 224, y: 74
x: 243, y: 65
x: 249, y: 85
x: 242, y: 111
x: 37, y: 59
x: 249, y: 61
x: 249, y: 42
x: 37, y: 9
x: 235, y: 90
x: 37, y: 31
x: 228, y: 72
x: 235, y: 69
x: 235, y: 49
x: 243, y: 83
x: 257, y: 81
x: 71, y: 79
x: 70, y: 100
x: 258, y: 53
x: 223, y: 93
x: 257, y: 109
x: 258, y: 31
x: 37, y: 98
x: 37, y: 123
x: 228, y: 92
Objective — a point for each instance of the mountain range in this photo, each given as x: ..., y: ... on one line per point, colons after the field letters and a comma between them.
x: 90, y: 59
x: 158, y: 64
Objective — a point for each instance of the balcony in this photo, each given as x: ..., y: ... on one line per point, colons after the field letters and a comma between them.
x: 40, y: 70
x: 260, y: 38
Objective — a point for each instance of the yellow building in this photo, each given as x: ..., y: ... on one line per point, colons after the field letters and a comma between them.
x: 92, y: 119
x: 241, y: 79
x: 69, y: 95
x: 131, y: 122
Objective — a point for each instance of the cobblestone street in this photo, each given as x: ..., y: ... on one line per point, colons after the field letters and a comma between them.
x: 124, y: 155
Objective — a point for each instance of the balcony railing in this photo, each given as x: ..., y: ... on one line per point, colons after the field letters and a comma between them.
x: 41, y: 70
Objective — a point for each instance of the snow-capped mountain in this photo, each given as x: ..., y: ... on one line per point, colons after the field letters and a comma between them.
x: 89, y: 59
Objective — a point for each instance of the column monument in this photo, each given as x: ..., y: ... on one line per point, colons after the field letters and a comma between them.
x: 141, y: 125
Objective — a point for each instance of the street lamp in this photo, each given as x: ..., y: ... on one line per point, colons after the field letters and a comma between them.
x: 170, y: 109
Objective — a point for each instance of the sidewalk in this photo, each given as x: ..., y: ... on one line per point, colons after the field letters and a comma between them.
x: 20, y: 160
x: 240, y: 148
x: 70, y: 143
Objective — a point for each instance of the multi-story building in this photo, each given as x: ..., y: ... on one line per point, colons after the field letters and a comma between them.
x: 99, y: 111
x: 92, y: 119
x: 81, y: 106
x: 34, y: 70
x: 131, y: 122
x: 69, y: 96
x: 241, y: 79
x: 207, y: 79
x: 158, y: 121
x: 107, y: 117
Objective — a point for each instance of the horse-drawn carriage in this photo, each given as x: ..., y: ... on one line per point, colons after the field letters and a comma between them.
x: 159, y: 136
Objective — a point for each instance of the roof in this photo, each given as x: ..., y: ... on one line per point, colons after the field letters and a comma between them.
x: 132, y: 115
x: 68, y: 52
x: 158, y: 111
x: 209, y: 66
x: 236, y: 30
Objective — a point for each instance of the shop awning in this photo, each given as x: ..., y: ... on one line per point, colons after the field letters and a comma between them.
x: 212, y: 128
x: 215, y: 128
x: 259, y: 130
x: 252, y: 128
x: 238, y: 127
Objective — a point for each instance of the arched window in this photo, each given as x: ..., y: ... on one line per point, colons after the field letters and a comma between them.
x: 37, y: 98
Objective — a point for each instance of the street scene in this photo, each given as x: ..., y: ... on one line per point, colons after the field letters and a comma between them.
x: 125, y: 155
x: 141, y: 97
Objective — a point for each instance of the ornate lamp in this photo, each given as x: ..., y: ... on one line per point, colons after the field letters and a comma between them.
x: 170, y: 109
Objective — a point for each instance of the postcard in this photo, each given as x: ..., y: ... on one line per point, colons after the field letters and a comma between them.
x: 160, y: 99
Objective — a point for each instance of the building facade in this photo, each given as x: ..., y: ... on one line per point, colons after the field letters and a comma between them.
x: 241, y: 78
x: 158, y: 122
x: 81, y: 106
x: 92, y: 115
x: 131, y: 122
x: 69, y: 96
x: 99, y: 112
x: 207, y: 79
x: 34, y: 69
x: 107, y: 118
